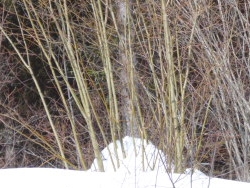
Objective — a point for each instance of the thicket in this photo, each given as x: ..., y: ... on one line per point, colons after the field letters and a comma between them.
x: 76, y: 75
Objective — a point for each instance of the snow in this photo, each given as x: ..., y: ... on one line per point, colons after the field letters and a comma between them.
x: 143, y: 169
x: 146, y: 157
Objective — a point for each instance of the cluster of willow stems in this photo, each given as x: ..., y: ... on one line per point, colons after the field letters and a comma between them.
x: 172, y: 72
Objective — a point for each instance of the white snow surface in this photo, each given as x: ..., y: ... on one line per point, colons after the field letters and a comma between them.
x: 134, y: 171
x: 139, y: 156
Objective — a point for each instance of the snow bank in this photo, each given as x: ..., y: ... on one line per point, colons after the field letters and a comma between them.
x: 59, y: 178
x: 140, y: 156
x: 136, y: 170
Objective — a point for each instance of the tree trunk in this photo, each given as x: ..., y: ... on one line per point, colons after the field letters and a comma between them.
x: 9, y: 142
x: 126, y: 74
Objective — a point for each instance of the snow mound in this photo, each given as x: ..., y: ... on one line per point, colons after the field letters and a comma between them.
x: 143, y: 167
x: 140, y: 155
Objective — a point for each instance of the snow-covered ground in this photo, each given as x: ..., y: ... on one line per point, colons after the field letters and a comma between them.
x: 145, y: 169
